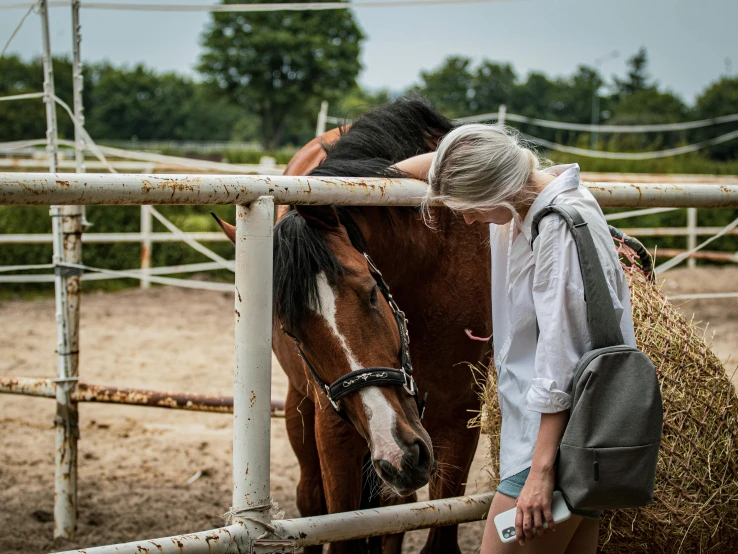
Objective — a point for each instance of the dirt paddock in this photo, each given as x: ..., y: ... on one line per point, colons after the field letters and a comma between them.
x: 135, y: 463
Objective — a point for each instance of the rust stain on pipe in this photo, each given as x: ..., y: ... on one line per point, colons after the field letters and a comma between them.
x: 85, y: 392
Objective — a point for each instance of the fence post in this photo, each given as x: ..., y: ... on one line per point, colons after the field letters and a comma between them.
x: 67, y: 230
x: 501, y: 115
x: 146, y: 245
x: 691, y: 234
x: 253, y: 365
x: 322, y: 117
x: 78, y: 86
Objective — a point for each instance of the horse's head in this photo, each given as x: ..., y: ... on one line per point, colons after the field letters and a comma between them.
x: 329, y: 299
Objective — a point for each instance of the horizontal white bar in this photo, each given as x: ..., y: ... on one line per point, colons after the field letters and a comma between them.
x: 42, y: 163
x: 703, y: 296
x: 19, y: 189
x: 673, y: 231
x: 322, y: 529
x: 226, y: 540
x: 308, y: 531
x: 99, y: 238
x: 139, y: 273
x: 638, y: 213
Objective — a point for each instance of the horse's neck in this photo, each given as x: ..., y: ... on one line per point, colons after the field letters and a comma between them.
x: 406, y: 250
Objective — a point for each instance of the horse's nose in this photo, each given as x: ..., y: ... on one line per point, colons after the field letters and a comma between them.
x: 389, y: 470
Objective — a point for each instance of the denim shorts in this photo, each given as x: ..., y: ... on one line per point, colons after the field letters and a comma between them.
x: 514, y: 484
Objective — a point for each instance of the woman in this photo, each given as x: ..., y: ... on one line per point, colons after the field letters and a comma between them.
x: 538, y: 314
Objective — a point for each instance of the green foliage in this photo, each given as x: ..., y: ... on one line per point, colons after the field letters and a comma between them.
x: 109, y: 219
x: 26, y: 119
x: 637, y: 78
x: 450, y: 86
x: 721, y: 98
x: 279, y: 64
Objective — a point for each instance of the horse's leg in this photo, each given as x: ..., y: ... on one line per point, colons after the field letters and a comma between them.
x: 300, y: 423
x: 454, y: 449
x: 342, y: 453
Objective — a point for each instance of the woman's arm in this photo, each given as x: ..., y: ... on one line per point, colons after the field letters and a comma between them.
x: 417, y: 166
x: 534, y: 502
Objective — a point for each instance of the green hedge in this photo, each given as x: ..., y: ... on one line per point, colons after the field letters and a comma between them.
x: 109, y: 219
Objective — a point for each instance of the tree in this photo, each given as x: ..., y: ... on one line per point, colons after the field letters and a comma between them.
x: 637, y: 77
x: 26, y: 119
x: 493, y: 84
x: 449, y: 87
x: 648, y: 106
x: 276, y: 64
x: 721, y: 98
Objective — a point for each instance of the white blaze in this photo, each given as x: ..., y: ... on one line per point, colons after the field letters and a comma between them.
x: 380, y: 415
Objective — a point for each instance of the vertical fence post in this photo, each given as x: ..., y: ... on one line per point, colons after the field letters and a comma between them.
x: 146, y: 245
x: 252, y: 364
x: 67, y: 243
x: 78, y: 86
x: 691, y: 234
x: 501, y: 115
x: 322, y: 117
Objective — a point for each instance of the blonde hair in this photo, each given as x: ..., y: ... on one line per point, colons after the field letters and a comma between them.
x: 479, y: 167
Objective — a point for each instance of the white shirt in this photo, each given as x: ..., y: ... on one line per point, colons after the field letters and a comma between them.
x: 534, y: 375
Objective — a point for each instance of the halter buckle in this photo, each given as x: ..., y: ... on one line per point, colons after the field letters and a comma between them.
x: 336, y: 405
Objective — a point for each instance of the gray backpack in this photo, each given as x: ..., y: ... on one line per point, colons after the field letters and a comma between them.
x: 608, y: 453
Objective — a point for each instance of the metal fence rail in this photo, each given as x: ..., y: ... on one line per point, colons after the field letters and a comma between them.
x: 86, y: 392
x: 255, y: 197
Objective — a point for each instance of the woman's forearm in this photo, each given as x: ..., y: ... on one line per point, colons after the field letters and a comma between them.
x: 417, y: 166
x: 549, y: 434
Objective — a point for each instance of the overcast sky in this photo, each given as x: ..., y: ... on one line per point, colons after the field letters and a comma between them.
x: 688, y: 41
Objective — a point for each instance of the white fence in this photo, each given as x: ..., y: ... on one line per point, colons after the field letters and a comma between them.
x: 255, y: 197
x: 252, y: 529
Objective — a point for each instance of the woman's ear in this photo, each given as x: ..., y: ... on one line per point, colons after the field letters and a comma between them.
x: 319, y: 217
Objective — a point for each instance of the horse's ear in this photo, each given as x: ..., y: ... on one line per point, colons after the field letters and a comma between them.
x: 319, y: 217
x: 228, y: 229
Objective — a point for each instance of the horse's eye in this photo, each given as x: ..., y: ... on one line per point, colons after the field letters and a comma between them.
x: 373, y: 296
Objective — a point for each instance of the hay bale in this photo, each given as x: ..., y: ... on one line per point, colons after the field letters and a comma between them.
x: 695, y: 507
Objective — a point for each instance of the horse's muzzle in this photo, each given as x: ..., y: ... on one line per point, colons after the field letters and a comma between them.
x: 416, y: 467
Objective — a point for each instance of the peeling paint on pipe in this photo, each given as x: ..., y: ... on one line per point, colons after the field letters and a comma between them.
x: 308, y: 531
x: 85, y: 392
x: 19, y: 189
x: 226, y: 540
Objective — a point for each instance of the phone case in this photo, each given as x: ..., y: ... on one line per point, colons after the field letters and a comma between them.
x: 505, y: 522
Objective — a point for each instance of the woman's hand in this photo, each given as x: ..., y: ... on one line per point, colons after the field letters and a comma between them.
x: 534, y: 505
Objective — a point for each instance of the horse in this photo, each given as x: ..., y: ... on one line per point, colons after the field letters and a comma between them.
x: 331, y: 321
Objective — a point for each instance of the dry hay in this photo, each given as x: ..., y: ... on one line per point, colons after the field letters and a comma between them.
x: 695, y: 507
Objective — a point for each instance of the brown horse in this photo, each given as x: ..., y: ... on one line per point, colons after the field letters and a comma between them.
x: 439, y: 277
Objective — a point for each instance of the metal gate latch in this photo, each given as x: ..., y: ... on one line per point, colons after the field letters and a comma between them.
x: 271, y: 546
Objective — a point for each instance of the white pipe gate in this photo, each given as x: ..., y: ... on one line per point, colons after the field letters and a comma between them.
x: 251, y: 529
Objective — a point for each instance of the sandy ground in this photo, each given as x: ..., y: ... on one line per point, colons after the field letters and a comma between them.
x: 135, y: 462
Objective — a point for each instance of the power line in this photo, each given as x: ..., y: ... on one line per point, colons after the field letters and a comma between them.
x: 286, y: 6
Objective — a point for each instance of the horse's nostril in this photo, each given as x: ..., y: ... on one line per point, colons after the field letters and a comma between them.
x: 412, y: 456
x: 387, y: 468
x: 424, y: 455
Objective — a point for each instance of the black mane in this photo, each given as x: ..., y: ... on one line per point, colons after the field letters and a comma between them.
x: 384, y: 136
x: 378, y: 139
x: 300, y: 253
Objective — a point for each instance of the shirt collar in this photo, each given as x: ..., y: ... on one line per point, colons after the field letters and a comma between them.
x: 567, y: 178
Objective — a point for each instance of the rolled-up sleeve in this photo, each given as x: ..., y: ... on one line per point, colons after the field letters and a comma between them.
x: 558, y: 298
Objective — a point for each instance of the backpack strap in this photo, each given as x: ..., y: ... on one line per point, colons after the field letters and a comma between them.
x: 604, y: 329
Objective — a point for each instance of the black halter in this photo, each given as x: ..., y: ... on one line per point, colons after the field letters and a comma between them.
x: 372, y: 376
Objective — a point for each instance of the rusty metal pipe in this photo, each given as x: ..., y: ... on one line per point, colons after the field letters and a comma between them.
x: 25, y: 189
x: 85, y: 392
x: 388, y: 520
x: 225, y: 540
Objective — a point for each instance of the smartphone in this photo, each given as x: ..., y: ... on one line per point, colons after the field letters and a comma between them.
x: 505, y: 522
